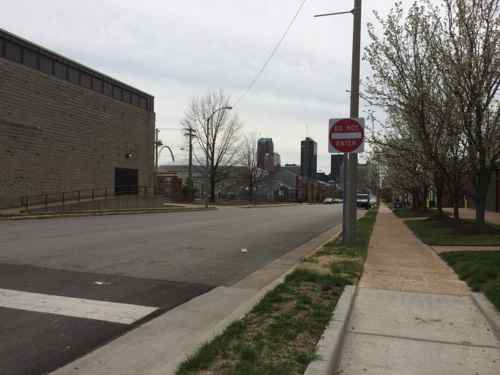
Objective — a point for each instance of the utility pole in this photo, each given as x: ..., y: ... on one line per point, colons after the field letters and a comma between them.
x: 158, y: 144
x: 351, y: 159
x: 190, y: 133
x: 207, y: 188
x: 352, y: 164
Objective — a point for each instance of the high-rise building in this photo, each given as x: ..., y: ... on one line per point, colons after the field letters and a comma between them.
x: 336, y: 172
x: 308, y: 158
x: 272, y: 162
x: 264, y: 146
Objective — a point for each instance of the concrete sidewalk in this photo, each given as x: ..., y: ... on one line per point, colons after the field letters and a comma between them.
x: 412, y: 315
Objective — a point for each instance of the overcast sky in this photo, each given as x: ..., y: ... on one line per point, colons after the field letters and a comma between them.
x: 177, y: 49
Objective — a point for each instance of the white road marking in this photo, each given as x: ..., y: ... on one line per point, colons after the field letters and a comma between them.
x: 358, y: 135
x: 75, y: 307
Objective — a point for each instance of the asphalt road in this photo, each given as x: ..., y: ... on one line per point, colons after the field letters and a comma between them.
x: 70, y: 285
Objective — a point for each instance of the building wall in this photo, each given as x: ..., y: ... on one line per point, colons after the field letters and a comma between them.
x: 337, y: 163
x: 58, y: 136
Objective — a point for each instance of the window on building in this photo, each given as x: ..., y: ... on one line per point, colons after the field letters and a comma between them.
x: 30, y: 59
x: 135, y: 100
x: 143, y: 103
x: 117, y: 93
x: 126, y: 96
x: 86, y: 80
x: 108, y: 89
x: 74, y: 76
x: 13, y: 52
x: 45, y: 65
x: 59, y: 70
x: 97, y: 84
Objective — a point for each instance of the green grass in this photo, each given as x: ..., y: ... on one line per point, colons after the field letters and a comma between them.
x: 357, y: 248
x: 408, y: 213
x: 444, y: 230
x: 279, y: 336
x: 297, y: 310
x: 480, y: 269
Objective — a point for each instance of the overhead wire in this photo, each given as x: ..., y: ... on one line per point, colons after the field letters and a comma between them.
x: 271, y: 55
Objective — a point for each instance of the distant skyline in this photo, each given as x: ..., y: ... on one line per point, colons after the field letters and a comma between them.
x: 175, y: 50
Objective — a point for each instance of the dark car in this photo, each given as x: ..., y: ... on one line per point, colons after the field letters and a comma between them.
x: 363, y: 201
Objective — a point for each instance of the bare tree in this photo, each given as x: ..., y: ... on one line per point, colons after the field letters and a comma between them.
x: 217, y: 134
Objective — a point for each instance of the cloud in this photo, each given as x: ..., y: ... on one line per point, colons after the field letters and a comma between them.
x: 179, y: 49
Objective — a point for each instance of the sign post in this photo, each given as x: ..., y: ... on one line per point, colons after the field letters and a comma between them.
x: 347, y: 136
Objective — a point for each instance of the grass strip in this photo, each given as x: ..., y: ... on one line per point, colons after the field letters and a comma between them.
x: 279, y: 336
x: 480, y: 270
x: 408, y: 213
x: 443, y: 230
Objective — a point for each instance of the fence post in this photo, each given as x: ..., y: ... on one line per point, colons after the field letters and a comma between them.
x: 78, y: 195
x: 46, y: 200
x: 63, y: 198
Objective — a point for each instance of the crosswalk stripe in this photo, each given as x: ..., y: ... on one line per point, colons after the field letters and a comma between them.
x: 75, y: 307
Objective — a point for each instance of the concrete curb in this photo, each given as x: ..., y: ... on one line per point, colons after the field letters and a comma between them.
x: 242, y: 310
x: 221, y: 326
x: 489, y: 311
x: 330, y: 345
x: 103, y: 213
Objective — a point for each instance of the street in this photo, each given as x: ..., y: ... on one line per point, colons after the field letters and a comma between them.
x: 70, y: 285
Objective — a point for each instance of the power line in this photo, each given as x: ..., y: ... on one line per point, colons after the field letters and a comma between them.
x: 271, y: 56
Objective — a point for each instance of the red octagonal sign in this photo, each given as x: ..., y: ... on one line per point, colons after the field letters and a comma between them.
x: 346, y: 135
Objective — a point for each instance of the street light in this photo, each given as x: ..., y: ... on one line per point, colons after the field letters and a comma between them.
x: 209, y: 118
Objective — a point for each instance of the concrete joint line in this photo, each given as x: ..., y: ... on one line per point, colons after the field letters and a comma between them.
x: 329, y: 348
x: 418, y: 292
x: 489, y: 311
x: 423, y: 340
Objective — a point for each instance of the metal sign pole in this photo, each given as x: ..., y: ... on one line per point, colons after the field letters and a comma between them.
x: 353, y: 157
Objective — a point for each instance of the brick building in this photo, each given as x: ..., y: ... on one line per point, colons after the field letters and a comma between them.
x: 66, y: 127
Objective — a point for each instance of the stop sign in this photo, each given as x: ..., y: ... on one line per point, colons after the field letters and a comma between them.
x: 346, y: 135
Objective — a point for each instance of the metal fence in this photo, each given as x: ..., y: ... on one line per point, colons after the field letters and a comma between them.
x: 66, y: 198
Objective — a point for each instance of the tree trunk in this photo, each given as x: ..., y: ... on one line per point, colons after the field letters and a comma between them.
x: 456, y: 211
x: 439, y: 198
x: 250, y: 190
x: 212, y: 187
x: 481, y: 195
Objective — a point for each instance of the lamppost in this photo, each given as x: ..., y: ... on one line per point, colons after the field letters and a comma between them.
x: 209, y: 118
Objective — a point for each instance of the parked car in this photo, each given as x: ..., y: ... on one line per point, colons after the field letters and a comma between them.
x: 328, y: 201
x: 363, y: 201
x: 338, y: 200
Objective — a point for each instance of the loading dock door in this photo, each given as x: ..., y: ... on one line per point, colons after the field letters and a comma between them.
x: 126, y: 181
